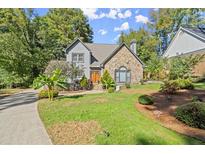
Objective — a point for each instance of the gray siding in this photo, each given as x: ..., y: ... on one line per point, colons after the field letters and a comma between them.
x: 183, y: 43
x: 80, y: 48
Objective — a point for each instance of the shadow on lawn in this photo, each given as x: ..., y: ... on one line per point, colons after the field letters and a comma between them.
x: 147, y: 141
x: 73, y: 97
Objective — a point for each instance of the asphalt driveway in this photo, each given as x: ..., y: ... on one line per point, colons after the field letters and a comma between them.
x: 19, y: 120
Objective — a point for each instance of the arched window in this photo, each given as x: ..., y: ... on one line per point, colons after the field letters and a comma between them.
x: 122, y: 75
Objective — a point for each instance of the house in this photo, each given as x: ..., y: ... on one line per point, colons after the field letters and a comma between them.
x: 188, y: 41
x: 121, y: 61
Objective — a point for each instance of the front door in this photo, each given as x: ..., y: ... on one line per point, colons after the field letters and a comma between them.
x: 95, y: 76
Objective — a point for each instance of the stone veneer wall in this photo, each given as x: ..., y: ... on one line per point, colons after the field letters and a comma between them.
x: 124, y: 58
x: 199, y: 69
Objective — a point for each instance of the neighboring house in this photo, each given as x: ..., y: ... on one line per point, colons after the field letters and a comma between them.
x: 120, y: 60
x: 188, y: 41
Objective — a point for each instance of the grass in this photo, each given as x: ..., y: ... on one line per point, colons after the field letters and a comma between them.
x: 200, y: 85
x: 116, y: 114
x: 153, y: 86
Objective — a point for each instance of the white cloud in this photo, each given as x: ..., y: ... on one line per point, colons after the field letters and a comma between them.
x: 126, y: 14
x: 156, y: 9
x: 117, y: 37
x: 137, y: 11
x: 91, y: 13
x: 124, y: 26
x: 112, y: 14
x: 142, y: 19
x: 102, y: 31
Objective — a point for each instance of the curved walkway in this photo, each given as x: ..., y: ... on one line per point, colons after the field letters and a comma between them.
x: 19, y: 120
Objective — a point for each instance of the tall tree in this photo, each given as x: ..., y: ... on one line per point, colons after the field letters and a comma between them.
x: 165, y: 23
x: 146, y: 42
x: 62, y: 26
x: 28, y: 41
x: 21, y: 50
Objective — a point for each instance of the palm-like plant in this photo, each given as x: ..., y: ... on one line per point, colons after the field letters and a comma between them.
x: 55, y: 80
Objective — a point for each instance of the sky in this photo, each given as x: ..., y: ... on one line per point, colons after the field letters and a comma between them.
x: 107, y: 24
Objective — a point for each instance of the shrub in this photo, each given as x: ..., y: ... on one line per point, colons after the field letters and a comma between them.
x: 169, y: 87
x: 182, y: 66
x: 185, y: 83
x: 127, y: 85
x: 111, y: 90
x: 196, y: 99
x: 84, y: 82
x: 90, y: 85
x: 142, y: 82
x: 145, y: 100
x: 192, y: 114
x: 107, y: 80
x: 44, y: 94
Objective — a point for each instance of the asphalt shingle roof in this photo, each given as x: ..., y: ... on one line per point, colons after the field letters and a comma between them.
x: 101, y: 51
x: 196, y: 30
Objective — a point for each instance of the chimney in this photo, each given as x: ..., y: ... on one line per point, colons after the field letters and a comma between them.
x: 133, y: 46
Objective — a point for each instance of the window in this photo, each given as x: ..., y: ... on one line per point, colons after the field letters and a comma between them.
x: 81, y: 58
x: 77, y: 57
x: 80, y: 74
x: 74, y: 58
x: 128, y: 77
x: 122, y: 75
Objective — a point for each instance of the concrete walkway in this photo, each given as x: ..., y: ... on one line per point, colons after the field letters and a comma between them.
x: 19, y: 120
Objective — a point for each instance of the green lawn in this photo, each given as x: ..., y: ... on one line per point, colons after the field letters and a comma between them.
x: 200, y: 85
x: 153, y: 86
x: 116, y: 113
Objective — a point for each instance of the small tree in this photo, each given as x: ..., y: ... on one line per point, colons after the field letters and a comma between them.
x: 84, y: 82
x: 155, y: 67
x: 51, y: 81
x: 181, y: 67
x: 107, y: 80
x: 53, y: 65
x: 67, y: 69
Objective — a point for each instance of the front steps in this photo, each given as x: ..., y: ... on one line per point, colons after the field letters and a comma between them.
x: 97, y: 86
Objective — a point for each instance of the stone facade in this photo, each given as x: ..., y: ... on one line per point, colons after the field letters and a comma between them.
x: 199, y: 69
x: 125, y: 58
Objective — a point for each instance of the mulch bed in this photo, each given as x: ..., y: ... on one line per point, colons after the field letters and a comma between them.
x: 163, y: 111
x: 74, y: 132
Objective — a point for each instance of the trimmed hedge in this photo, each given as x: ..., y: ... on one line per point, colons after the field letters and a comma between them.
x: 111, y: 90
x: 145, y: 100
x: 192, y: 114
x: 44, y: 94
x: 127, y: 85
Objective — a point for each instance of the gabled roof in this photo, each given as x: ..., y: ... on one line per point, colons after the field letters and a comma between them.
x: 193, y: 31
x: 73, y: 43
x: 101, y: 52
x: 117, y: 49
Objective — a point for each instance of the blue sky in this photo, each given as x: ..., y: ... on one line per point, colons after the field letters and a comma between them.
x: 107, y: 24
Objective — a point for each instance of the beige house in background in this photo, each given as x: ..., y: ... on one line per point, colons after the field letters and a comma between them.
x: 120, y: 60
x: 188, y: 41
